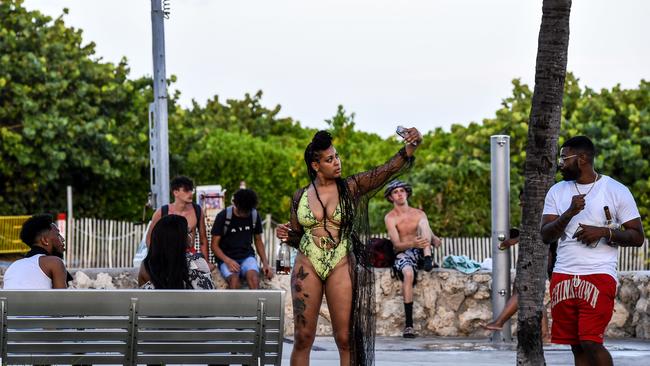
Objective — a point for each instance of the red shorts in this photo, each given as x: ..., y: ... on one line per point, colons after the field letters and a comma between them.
x: 581, y: 306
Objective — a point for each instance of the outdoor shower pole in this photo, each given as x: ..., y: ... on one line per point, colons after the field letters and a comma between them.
x: 500, y: 170
x: 158, y: 129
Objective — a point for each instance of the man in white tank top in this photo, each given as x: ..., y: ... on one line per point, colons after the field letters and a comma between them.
x: 591, y: 215
x: 42, y: 267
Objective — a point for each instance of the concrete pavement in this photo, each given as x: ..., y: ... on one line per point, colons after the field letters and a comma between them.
x: 392, y: 351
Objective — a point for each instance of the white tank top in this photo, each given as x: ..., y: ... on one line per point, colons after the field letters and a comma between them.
x: 26, y: 274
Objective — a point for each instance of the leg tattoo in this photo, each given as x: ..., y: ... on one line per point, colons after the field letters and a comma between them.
x: 299, y: 311
x: 301, y: 273
x: 299, y: 305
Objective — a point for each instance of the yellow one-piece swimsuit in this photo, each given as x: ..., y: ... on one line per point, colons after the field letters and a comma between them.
x: 325, y: 255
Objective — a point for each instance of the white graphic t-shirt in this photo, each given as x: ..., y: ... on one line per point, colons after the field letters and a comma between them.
x: 574, y: 257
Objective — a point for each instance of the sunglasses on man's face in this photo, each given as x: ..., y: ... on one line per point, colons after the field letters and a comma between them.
x: 561, y: 159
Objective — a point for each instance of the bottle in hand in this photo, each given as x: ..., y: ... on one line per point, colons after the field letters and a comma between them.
x: 283, y: 262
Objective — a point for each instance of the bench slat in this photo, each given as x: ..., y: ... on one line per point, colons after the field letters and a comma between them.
x: 68, y: 322
x: 197, y: 359
x: 105, y: 359
x: 65, y: 347
x: 195, y: 335
x: 207, y: 347
x: 203, y: 323
x: 210, y: 335
x: 67, y: 335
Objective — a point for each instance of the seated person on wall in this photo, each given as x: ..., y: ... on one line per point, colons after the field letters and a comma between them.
x: 182, y: 189
x: 169, y: 263
x: 233, y: 232
x: 411, y: 235
x: 43, y: 267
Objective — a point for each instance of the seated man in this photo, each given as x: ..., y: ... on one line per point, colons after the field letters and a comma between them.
x: 411, y: 235
x: 183, y: 191
x: 42, y: 268
x: 233, y: 232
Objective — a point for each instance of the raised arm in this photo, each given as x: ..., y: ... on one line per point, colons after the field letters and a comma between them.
x: 368, y: 181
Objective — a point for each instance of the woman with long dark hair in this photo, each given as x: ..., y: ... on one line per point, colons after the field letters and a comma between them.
x: 329, y: 227
x: 169, y: 264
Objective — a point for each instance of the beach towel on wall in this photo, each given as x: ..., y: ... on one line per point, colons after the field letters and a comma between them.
x: 461, y: 263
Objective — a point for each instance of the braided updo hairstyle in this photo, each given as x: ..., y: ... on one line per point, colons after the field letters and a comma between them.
x: 321, y: 141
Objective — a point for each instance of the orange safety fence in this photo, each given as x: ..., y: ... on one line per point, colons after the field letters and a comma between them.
x: 10, y: 234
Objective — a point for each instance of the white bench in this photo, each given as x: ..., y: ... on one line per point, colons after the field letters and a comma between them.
x: 131, y: 327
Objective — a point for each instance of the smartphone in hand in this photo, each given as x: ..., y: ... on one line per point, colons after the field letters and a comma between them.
x: 401, y: 131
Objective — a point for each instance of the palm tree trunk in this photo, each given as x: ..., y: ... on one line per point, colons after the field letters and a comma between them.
x: 540, y: 169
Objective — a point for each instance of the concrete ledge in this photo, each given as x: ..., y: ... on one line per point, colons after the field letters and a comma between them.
x: 447, y: 303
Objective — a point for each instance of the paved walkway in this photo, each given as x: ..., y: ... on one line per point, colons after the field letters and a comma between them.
x: 466, y: 352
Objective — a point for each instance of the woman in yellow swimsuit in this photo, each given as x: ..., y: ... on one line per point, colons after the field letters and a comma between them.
x: 329, y: 219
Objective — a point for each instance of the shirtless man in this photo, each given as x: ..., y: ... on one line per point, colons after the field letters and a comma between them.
x: 183, y: 190
x: 408, y: 229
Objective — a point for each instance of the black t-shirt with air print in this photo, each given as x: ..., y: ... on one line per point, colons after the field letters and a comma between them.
x: 237, y: 242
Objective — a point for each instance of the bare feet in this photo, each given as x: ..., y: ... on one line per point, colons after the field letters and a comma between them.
x: 508, y: 243
x: 492, y: 326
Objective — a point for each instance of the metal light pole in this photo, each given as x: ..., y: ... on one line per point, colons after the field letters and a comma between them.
x: 158, y: 130
x: 69, y: 235
x: 500, y: 168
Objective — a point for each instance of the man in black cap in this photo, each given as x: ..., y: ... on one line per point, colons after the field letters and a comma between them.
x: 408, y: 229
x: 42, y: 267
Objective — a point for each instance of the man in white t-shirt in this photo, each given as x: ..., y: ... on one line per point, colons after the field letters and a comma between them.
x: 42, y: 268
x: 591, y: 215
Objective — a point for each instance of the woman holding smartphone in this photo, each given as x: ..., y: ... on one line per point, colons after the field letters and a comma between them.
x: 329, y: 227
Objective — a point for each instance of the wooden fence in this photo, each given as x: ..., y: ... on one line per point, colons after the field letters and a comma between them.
x: 478, y: 249
x: 95, y: 243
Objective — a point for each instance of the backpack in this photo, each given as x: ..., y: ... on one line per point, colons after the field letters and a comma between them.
x: 382, y: 254
x: 226, y: 223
